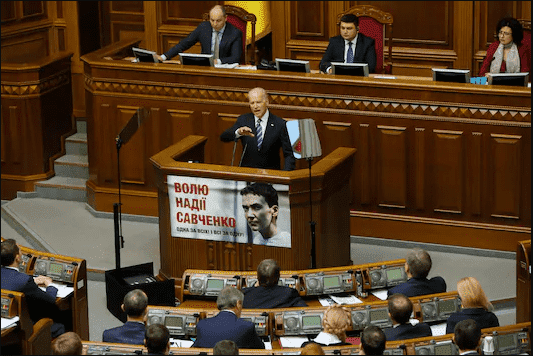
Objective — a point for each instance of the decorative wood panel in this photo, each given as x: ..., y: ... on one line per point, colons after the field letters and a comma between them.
x: 225, y: 154
x: 308, y: 19
x: 506, y: 170
x: 448, y: 176
x: 419, y: 169
x: 476, y: 169
x: 132, y: 169
x: 392, y: 168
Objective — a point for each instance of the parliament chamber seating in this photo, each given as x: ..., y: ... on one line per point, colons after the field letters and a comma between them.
x: 523, y: 281
x: 376, y: 24
x: 239, y: 18
x: 64, y: 270
x: 24, y: 336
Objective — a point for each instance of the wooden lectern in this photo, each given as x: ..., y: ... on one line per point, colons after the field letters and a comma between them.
x: 330, y: 178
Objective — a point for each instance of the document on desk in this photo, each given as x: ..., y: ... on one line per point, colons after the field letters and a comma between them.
x: 180, y: 343
x: 226, y: 65
x: 7, y: 323
x: 62, y: 289
x: 350, y: 299
x: 438, y: 329
x: 292, y: 341
x: 380, y: 293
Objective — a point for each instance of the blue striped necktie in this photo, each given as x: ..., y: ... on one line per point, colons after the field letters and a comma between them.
x: 259, y: 133
x: 349, y: 56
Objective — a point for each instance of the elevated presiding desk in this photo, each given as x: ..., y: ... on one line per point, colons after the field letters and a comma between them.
x: 435, y: 162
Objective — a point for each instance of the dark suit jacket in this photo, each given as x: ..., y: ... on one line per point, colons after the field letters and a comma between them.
x: 365, y: 52
x: 40, y: 304
x: 415, y: 287
x: 483, y: 318
x: 226, y: 326
x: 276, y: 137
x: 131, y: 332
x: 275, y: 297
x: 230, y: 46
x: 407, y: 331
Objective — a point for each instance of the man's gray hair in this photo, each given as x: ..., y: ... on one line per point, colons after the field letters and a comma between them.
x: 419, y: 262
x: 228, y: 298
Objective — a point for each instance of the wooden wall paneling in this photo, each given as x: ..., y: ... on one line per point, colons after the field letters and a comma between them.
x: 462, y: 33
x: 448, y: 177
x: 182, y: 123
x: 150, y: 25
x: 506, y: 176
x: 132, y: 168
x: 392, y: 166
x: 225, y: 153
x: 21, y: 46
x: 364, y: 162
x: 475, y: 173
x: 419, y: 168
x: 280, y: 25
x: 124, y: 19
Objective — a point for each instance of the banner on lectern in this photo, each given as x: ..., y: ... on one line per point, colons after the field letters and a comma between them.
x: 232, y: 211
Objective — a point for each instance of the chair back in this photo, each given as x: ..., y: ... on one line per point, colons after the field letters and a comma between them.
x: 375, y: 24
x: 239, y: 18
x: 526, y: 41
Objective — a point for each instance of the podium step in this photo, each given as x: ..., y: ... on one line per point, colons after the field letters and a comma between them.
x: 73, y: 166
x: 76, y: 144
x: 62, y: 188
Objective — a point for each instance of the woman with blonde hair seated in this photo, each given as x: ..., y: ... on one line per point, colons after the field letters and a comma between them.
x: 335, y: 322
x: 475, y: 306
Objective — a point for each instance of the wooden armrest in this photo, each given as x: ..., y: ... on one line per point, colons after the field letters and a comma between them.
x: 39, y: 343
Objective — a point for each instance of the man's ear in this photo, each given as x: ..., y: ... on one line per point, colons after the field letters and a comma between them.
x: 275, y: 210
x: 123, y: 308
x: 145, y: 341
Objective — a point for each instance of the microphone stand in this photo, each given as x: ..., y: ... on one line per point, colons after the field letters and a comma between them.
x: 311, y: 222
x: 117, y: 211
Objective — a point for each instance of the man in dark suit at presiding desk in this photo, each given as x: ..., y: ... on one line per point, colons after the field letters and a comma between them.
x: 263, y: 135
x: 40, y: 304
x: 227, y: 324
x: 269, y: 294
x: 400, y: 310
x: 216, y: 36
x: 132, y: 332
x: 350, y: 46
x: 417, y: 267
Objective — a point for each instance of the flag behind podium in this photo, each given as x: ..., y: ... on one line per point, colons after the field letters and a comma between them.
x: 304, y: 138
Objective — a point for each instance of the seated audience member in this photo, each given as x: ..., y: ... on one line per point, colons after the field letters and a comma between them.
x: 475, y: 305
x: 400, y: 310
x: 40, y: 304
x: 269, y: 294
x: 350, y: 46
x: 157, y: 339
x: 508, y: 54
x: 467, y: 337
x: 208, y: 33
x: 312, y: 348
x: 417, y: 267
x: 225, y: 347
x: 372, y: 341
x: 132, y: 332
x: 67, y: 344
x: 227, y: 325
x: 335, y: 322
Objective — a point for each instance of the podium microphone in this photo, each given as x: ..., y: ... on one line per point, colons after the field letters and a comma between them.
x: 243, y: 152
x: 234, y: 147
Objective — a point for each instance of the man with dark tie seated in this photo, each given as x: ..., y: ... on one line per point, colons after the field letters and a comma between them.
x: 467, y: 337
x: 132, y: 332
x: 157, y: 340
x: 417, y: 267
x: 400, y: 310
x: 350, y: 46
x: 40, y: 304
x: 216, y: 36
x: 269, y: 294
x: 227, y: 324
x: 263, y: 135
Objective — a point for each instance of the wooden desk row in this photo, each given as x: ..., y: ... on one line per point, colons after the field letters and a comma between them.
x: 71, y: 271
x: 511, y: 339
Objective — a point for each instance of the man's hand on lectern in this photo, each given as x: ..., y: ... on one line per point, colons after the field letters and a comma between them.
x: 245, y: 131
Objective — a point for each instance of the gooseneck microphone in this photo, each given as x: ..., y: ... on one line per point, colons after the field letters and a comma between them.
x: 243, y: 152
x: 234, y: 147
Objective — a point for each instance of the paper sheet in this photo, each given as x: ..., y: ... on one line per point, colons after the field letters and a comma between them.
x: 292, y: 341
x: 351, y: 299
x: 62, y: 289
x: 438, y: 329
x: 380, y: 293
x: 7, y: 323
x: 180, y: 343
x: 226, y: 65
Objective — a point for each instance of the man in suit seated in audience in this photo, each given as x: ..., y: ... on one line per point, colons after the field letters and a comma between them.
x: 372, y: 341
x: 40, y: 304
x: 400, y: 310
x: 157, y: 339
x: 467, y: 337
x: 225, y: 347
x: 417, y: 267
x: 269, y: 294
x: 227, y: 325
x: 67, y: 344
x: 217, y: 37
x: 132, y: 332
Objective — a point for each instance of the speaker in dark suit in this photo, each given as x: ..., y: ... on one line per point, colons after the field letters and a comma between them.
x: 41, y: 304
x: 400, y: 310
x: 350, y: 46
x: 261, y: 144
x: 227, y: 324
x: 230, y: 40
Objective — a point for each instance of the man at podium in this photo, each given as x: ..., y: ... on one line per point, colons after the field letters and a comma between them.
x: 261, y: 209
x: 263, y: 135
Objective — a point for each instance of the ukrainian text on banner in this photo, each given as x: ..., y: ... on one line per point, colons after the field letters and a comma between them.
x: 215, y: 209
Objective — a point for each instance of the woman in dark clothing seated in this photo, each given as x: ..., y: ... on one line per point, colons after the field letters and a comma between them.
x: 475, y: 306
